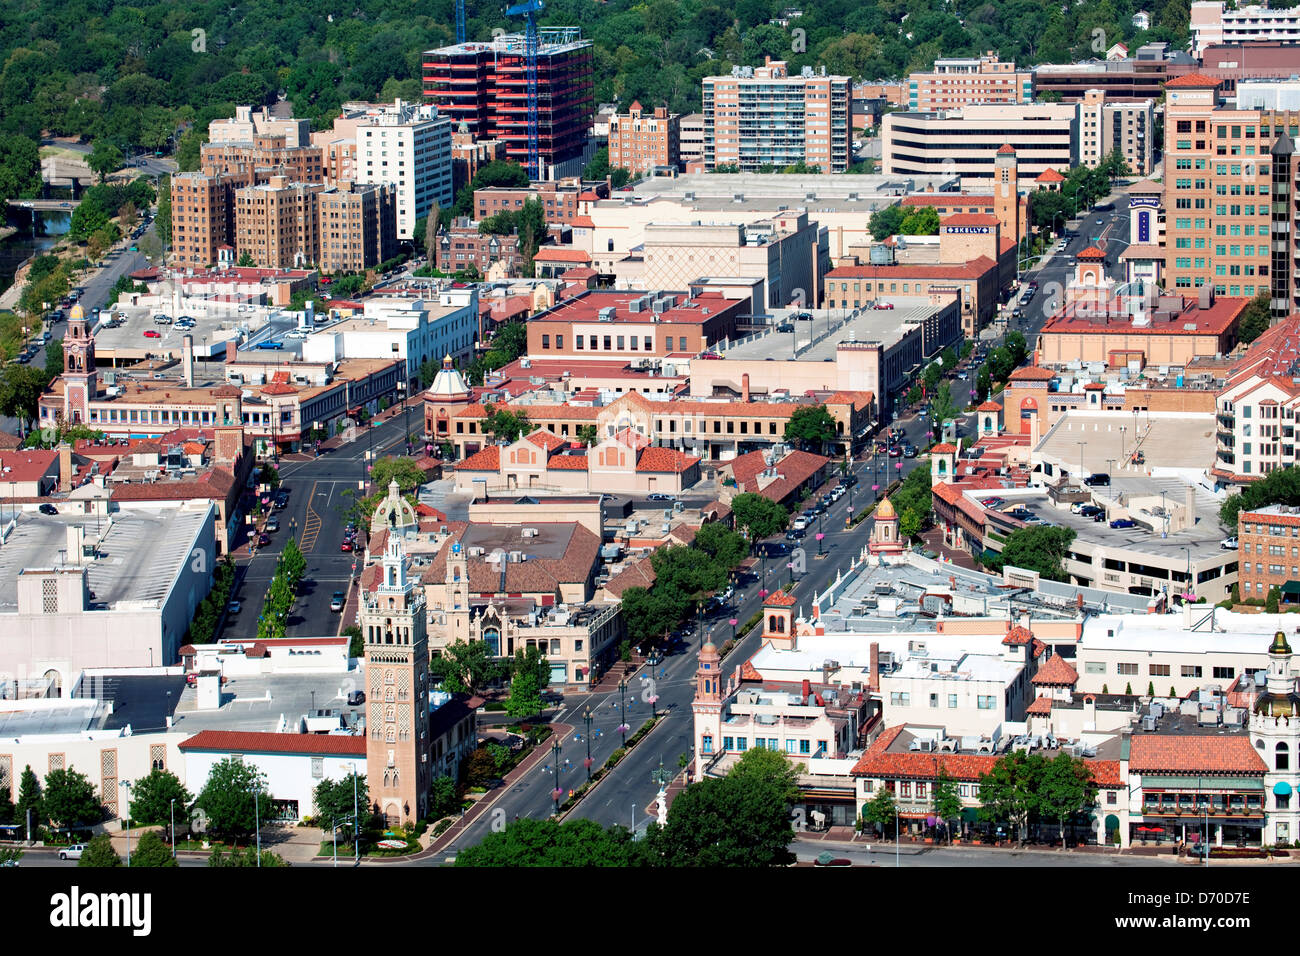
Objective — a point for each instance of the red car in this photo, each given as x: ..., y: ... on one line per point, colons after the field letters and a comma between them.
x: 883, y: 305
x: 263, y: 539
x: 346, y: 546
x: 152, y: 334
x: 325, y: 280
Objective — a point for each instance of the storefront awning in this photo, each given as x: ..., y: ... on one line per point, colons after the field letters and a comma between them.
x: 1282, y: 789
x: 1192, y: 783
x: 1291, y: 587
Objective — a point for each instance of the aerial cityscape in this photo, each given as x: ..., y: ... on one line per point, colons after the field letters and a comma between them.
x: 665, y: 434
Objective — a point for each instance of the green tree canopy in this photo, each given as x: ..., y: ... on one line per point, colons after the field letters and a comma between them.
x: 465, y: 667
x: 1278, y: 487
x: 758, y: 517
x: 388, y: 468
x: 576, y: 843
x: 1067, y: 789
x: 724, y: 546
x: 248, y: 856
x: 228, y: 799
x: 29, y: 798
x: 152, y: 851
x: 105, y: 158
x: 921, y: 222
x: 1255, y: 318
x: 886, y: 222
x: 946, y: 801
x: 1038, y: 548
x: 506, y: 424
x: 740, y: 820
x: 70, y: 800
x: 156, y: 797
x: 99, y: 853
x: 880, y: 809
x: 812, y: 426
x: 1010, y: 791
x: 336, y: 799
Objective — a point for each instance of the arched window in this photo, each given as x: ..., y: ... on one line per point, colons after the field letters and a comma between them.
x: 1259, y: 745
x: 1282, y: 757
x: 492, y: 638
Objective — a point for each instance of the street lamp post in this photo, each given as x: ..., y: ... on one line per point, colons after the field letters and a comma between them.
x: 555, y: 761
x: 356, y: 821
x: 622, y: 696
x: 126, y: 786
x: 257, y: 821
x: 896, y: 863
x: 172, y: 812
x: 819, y: 536
x: 1081, y: 445
x: 586, y: 717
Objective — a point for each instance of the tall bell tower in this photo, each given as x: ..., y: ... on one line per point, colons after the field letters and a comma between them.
x: 80, y: 380
x: 393, y: 624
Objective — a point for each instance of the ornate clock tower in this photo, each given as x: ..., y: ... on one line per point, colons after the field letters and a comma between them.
x: 80, y: 380
x: 397, y: 695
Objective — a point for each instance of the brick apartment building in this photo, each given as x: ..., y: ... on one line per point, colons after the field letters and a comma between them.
x: 559, y: 199
x: 358, y: 226
x: 631, y: 325
x: 201, y: 217
x: 278, y: 223
x: 463, y: 246
x: 247, y: 160
x: 1268, y: 549
x: 638, y: 142
x: 964, y: 81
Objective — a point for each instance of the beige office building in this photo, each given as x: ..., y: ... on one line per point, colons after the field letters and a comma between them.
x: 763, y: 117
x: 1106, y: 126
x: 690, y: 143
x: 964, y: 142
x: 966, y: 81
x: 358, y: 226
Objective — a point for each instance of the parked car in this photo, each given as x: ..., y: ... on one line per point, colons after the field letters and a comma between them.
x: 909, y: 451
x: 795, y: 534
x: 883, y: 305
x: 803, y: 317
x: 263, y: 540
x: 72, y: 852
x: 1229, y: 544
x: 993, y: 502
x: 273, y: 524
x: 800, y: 523
x: 785, y: 327
x: 895, y: 451
x: 346, y: 545
x: 356, y: 698
x: 152, y: 334
x: 775, y: 548
x: 233, y: 608
x: 1123, y: 523
x: 48, y: 509
x: 1097, y: 480
x: 659, y: 496
x: 337, y: 601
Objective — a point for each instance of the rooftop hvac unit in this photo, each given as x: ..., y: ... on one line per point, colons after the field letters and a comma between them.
x: 634, y: 305
x: 660, y: 306
x: 607, y: 314
x: 1148, y: 723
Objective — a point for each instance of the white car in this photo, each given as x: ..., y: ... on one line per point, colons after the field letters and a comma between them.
x: 72, y: 852
x: 1229, y: 544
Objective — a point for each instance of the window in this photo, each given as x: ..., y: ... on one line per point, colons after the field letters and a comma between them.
x: 742, y: 743
x: 728, y: 743
x: 1094, y: 667
x: 1122, y: 668
x: 1282, y: 757
x: 789, y: 745
x: 986, y: 703
x: 898, y: 699
x: 1158, y: 670
x: 1190, y: 671
x: 1224, y: 673
x: 952, y: 700
x: 706, y: 743
x: 934, y: 700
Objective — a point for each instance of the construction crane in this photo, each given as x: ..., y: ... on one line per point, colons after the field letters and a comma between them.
x: 460, y: 21
x: 529, y: 9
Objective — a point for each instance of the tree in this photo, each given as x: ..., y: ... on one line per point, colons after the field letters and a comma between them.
x: 598, y: 168
x: 812, y: 426
x: 152, y: 799
x: 163, y: 221
x: 1038, y: 548
x: 465, y: 668
x: 356, y: 641
x: 1255, y: 318
x: 525, y: 698
x: 880, y: 810
x: 246, y: 260
x: 1010, y: 790
x: 758, y: 517
x: 29, y: 799
x: 921, y: 222
x: 20, y: 166
x: 588, y: 435
x: 245, y: 857
x: 983, y: 384
x: 1273, y: 600
x: 886, y: 222
x: 946, y: 802
x: 740, y: 820
x: 576, y: 843
x: 726, y: 547
x: 442, y: 797
x: 505, y: 424
x: 151, y: 851
x: 99, y: 852
x: 10, y: 856
x: 402, y: 470
x: 228, y: 799
x: 648, y: 614
x: 1278, y: 487
x: 1066, y: 789
x: 104, y: 158
x: 431, y: 230
x: 335, y: 799
x: 21, y: 387
x: 70, y: 801
x: 942, y: 407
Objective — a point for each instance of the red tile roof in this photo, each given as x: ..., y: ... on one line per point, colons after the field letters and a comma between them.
x: 665, y: 460
x: 548, y: 440
x: 969, y: 219
x: 1018, y: 636
x: 1032, y: 373
x: 1056, y: 671
x: 568, y: 463
x: 28, y: 465
x: 747, y: 672
x: 243, y: 742
x: 638, y: 574
x: 1092, y: 253
x: 946, y: 492
x: 1040, y: 706
x: 1006, y: 148
x: 780, y: 599
x: 1186, y: 753
x: 943, y: 448
x: 989, y: 407
x: 558, y: 254
x: 1050, y: 176
x: 486, y: 459
x: 1192, y: 81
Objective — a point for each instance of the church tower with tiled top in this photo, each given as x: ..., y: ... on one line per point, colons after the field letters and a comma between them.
x: 397, y: 692
x: 1275, y: 732
x: 707, y: 708
x: 80, y: 380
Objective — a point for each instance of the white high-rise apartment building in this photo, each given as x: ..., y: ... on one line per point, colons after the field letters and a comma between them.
x: 407, y: 147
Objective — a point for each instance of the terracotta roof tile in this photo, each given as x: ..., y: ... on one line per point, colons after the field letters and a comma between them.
x: 665, y: 460
x: 1056, y: 670
x: 747, y: 672
x: 969, y: 219
x: 1192, y: 81
x: 1041, y: 706
x: 548, y: 440
x: 1186, y: 753
x: 237, y: 741
x: 780, y: 599
x: 943, y: 448
x: 1032, y: 373
x: 1050, y: 176
x: 1018, y: 636
x: 486, y: 459
x: 989, y: 407
x: 639, y: 574
x: 568, y: 463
